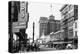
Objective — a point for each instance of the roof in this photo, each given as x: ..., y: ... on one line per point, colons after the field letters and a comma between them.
x: 51, y: 17
x: 43, y: 20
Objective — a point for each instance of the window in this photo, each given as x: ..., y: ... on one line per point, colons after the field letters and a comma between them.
x: 67, y: 16
x: 71, y: 7
x: 70, y: 23
x: 76, y: 33
x: 76, y: 14
x: 71, y: 14
x: 75, y: 24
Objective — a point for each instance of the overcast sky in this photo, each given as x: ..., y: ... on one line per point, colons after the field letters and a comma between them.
x: 37, y: 10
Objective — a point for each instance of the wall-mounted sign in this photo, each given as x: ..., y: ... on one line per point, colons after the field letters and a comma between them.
x: 15, y: 29
x: 22, y: 23
x: 19, y: 25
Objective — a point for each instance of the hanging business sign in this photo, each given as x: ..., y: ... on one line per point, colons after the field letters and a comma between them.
x: 23, y: 9
x: 22, y: 14
x: 22, y: 18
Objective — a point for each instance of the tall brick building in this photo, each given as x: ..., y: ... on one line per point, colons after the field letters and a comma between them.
x: 52, y: 24
x: 48, y: 25
x: 43, y: 25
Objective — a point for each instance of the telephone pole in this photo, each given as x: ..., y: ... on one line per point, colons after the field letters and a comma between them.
x: 33, y: 31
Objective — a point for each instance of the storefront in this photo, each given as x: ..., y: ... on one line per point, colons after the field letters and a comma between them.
x: 70, y: 34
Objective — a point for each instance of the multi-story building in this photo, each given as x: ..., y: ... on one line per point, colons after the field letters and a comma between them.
x: 52, y: 24
x: 48, y: 26
x: 69, y: 15
x: 18, y: 20
x: 43, y: 25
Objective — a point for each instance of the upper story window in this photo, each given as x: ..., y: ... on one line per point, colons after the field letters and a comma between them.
x: 71, y: 14
x: 71, y: 7
x: 75, y: 24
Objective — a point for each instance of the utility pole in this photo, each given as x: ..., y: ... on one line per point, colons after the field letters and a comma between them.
x: 33, y: 31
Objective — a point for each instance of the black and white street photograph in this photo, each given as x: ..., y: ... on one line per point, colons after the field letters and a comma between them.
x: 41, y: 26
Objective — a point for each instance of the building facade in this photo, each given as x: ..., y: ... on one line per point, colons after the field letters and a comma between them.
x: 52, y: 24
x: 18, y: 20
x: 43, y: 25
x: 69, y: 14
x: 49, y: 25
x: 58, y: 25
